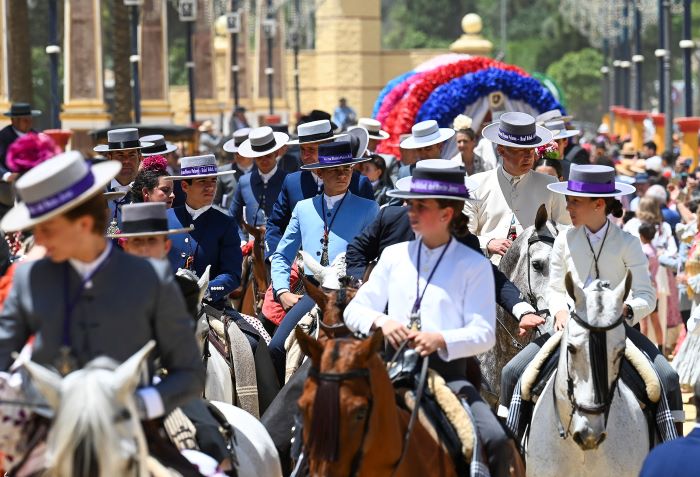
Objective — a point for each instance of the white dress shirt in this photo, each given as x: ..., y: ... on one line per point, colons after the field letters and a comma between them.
x: 85, y: 269
x: 266, y: 177
x: 459, y: 302
x: 332, y: 200
x: 195, y: 213
x: 117, y: 187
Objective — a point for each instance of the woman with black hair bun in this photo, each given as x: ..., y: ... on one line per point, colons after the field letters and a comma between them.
x: 151, y: 184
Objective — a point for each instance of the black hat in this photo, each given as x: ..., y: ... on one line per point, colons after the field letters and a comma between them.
x: 18, y: 110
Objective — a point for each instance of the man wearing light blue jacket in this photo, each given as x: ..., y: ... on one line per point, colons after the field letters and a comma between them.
x: 322, y: 226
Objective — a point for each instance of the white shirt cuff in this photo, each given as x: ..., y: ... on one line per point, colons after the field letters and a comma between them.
x: 153, y: 401
x: 5, y: 176
x: 522, y: 308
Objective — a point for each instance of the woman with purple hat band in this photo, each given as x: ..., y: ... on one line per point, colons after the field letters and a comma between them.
x: 322, y: 226
x: 596, y: 248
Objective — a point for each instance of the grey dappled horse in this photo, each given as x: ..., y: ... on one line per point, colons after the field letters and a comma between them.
x: 526, y: 264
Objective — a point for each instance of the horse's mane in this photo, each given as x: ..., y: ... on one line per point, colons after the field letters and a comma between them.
x: 83, y: 440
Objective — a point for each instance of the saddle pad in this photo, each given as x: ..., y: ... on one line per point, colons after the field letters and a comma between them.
x: 258, y: 327
x: 181, y: 430
x: 294, y: 353
x: 532, y: 372
x: 244, y: 371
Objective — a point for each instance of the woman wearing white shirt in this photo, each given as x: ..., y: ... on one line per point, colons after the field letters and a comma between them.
x: 444, y: 285
x: 595, y: 248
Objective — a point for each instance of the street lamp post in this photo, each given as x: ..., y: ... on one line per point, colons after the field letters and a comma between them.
x: 295, y: 48
x: 624, y: 61
x: 234, y: 27
x: 660, y: 53
x: 134, y: 58
x: 187, y: 10
x: 54, y: 50
x: 638, y: 58
x: 269, y: 29
x: 687, y: 45
x: 668, y: 123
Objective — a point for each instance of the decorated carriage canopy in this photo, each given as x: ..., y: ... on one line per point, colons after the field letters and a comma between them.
x: 453, y: 84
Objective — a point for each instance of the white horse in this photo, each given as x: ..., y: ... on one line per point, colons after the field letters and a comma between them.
x: 96, y: 430
x: 587, y: 422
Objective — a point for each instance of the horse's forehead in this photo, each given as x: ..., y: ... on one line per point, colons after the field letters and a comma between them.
x: 339, y: 355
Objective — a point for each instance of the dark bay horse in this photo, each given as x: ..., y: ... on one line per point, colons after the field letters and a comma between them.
x: 254, y: 283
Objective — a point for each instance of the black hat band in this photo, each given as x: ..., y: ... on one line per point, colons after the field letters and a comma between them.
x: 144, y: 226
x: 264, y: 147
x: 124, y: 144
x: 316, y: 137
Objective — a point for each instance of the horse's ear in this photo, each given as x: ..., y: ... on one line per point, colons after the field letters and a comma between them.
x: 316, y: 294
x: 572, y: 288
x: 311, y: 265
x: 254, y: 231
x: 46, y: 381
x: 203, y: 283
x: 374, y: 343
x: 309, y: 345
x: 541, y: 217
x: 128, y: 374
x: 627, y: 284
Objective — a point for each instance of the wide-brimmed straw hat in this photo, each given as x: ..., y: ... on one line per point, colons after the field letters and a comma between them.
x: 159, y: 146
x: 517, y: 129
x: 55, y: 187
x: 558, y: 129
x: 239, y: 137
x: 262, y: 141
x: 198, y: 167
x: 314, y: 131
x: 435, y: 179
x: 373, y: 127
x: 334, y: 154
x: 426, y: 133
x: 145, y: 219
x: 19, y: 110
x: 122, y: 140
x: 591, y: 180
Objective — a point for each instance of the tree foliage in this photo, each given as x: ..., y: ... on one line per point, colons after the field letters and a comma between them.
x: 578, y: 74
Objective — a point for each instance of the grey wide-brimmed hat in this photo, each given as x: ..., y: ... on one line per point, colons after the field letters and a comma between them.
x: 114, y: 194
x: 159, y: 146
x: 515, y: 129
x: 56, y: 186
x: 426, y: 133
x: 552, y: 115
x: 435, y: 179
x: 558, y: 129
x: 20, y: 110
x: 145, y: 219
x: 262, y: 141
x: 591, y: 180
x: 373, y: 127
x: 239, y: 136
x: 121, y: 140
x: 315, y: 131
x: 358, y: 139
x: 334, y: 154
x: 198, y: 167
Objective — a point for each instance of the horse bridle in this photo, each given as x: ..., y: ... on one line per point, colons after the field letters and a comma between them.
x: 598, y: 407
x: 339, y: 378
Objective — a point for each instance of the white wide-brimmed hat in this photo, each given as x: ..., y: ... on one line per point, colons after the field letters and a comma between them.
x: 145, y: 219
x: 314, y: 131
x: 591, y: 180
x: 56, y: 186
x: 558, y: 129
x: 334, y: 154
x: 552, y: 115
x: 515, y: 129
x: 373, y: 127
x: 262, y: 141
x: 159, y: 146
x: 198, y: 167
x: 239, y: 136
x: 426, y: 133
x: 435, y: 179
x: 122, y: 140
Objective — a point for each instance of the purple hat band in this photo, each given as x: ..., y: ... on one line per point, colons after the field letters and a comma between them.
x: 432, y: 186
x: 591, y: 187
x: 517, y: 138
x: 335, y: 159
x: 61, y: 198
x: 198, y: 170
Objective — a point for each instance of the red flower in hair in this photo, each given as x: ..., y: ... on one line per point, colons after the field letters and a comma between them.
x: 155, y: 163
x: 30, y: 150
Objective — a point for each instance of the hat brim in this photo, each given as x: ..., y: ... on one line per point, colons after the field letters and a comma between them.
x: 403, y: 191
x: 298, y: 142
x: 18, y: 218
x: 183, y: 230
x: 199, y: 176
x: 33, y: 113
x: 566, y: 133
x: 318, y: 165
x: 246, y: 150
x: 170, y: 147
x: 620, y: 189
x: 106, y: 148
x: 380, y: 135
x: 542, y: 136
x: 411, y: 143
x: 114, y: 195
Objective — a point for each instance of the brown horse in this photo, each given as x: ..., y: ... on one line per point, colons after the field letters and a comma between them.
x: 251, y: 293
x: 352, y: 425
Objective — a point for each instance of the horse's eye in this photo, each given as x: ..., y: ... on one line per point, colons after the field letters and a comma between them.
x: 361, y: 414
x: 571, y: 348
x: 538, y: 265
x: 122, y: 415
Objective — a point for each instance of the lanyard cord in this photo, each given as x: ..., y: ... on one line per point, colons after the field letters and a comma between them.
x: 419, y: 296
x: 327, y: 227
x: 595, y: 258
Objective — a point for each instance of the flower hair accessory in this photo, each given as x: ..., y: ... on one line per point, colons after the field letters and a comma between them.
x: 155, y: 163
x: 548, y: 151
x: 29, y: 151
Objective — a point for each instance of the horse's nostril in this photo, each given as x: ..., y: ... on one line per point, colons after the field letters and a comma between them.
x: 602, y: 438
x: 577, y: 438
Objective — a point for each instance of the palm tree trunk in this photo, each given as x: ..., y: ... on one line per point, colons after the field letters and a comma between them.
x: 121, y: 47
x: 19, y: 51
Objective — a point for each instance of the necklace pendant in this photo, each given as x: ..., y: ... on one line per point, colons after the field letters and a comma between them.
x: 414, y: 321
x: 324, y: 255
x: 113, y: 228
x: 66, y: 362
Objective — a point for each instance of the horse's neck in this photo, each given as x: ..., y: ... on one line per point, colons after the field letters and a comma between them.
x: 561, y: 382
